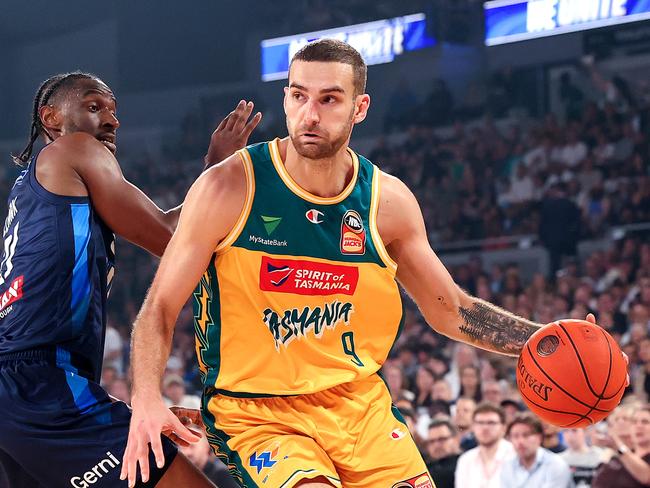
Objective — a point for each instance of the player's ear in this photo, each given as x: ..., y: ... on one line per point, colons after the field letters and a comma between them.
x: 361, y: 106
x: 284, y: 100
x: 51, y: 118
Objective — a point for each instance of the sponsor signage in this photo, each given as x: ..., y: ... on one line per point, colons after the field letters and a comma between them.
x: 518, y: 20
x: 378, y: 42
x: 307, y: 277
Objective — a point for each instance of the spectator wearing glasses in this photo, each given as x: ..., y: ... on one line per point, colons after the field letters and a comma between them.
x: 481, y: 467
x: 630, y: 468
x: 442, y: 451
x: 533, y: 466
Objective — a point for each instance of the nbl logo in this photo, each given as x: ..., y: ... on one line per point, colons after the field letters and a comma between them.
x: 353, y: 235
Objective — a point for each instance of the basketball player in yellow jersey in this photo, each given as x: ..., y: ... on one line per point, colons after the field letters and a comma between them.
x: 297, y: 245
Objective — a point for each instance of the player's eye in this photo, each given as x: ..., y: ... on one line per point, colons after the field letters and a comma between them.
x: 93, y: 107
x: 297, y: 96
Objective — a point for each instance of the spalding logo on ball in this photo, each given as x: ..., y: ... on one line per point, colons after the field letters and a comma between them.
x: 571, y: 373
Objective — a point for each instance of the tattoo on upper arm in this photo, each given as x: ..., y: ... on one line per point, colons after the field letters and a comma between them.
x: 495, y: 329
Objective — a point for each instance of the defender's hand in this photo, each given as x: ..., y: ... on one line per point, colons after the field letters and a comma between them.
x: 149, y: 420
x: 232, y: 133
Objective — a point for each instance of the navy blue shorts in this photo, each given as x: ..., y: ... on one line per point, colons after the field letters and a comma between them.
x: 59, y: 429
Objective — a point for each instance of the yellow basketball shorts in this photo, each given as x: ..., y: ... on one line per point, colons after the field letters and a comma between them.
x: 350, y: 434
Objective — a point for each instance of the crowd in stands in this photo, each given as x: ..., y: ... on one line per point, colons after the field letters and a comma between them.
x: 483, y: 180
x: 476, y: 180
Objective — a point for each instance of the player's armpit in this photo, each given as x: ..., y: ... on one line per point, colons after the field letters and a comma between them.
x: 445, y: 306
x: 211, y: 209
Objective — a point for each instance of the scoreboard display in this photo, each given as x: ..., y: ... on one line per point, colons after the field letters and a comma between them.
x: 518, y: 20
x: 378, y: 42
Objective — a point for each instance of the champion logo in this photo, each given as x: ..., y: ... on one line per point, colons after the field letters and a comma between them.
x: 315, y: 216
x: 397, y: 434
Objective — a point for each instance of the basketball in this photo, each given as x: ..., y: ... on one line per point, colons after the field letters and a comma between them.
x: 571, y: 373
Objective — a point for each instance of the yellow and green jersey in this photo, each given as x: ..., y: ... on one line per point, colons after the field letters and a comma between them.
x: 301, y: 295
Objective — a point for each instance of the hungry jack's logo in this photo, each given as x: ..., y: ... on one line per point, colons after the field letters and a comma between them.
x: 353, y: 234
x: 421, y: 481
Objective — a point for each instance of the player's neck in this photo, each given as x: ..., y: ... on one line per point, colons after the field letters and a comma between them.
x: 321, y: 177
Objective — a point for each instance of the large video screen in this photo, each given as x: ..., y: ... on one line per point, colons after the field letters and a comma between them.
x: 518, y: 20
x: 378, y: 42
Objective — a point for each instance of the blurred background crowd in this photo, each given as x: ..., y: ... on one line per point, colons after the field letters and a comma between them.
x: 534, y: 181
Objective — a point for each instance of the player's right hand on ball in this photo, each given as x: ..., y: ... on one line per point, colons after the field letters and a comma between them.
x: 150, y: 419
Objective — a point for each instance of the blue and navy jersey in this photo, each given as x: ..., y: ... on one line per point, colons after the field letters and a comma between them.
x: 55, y: 274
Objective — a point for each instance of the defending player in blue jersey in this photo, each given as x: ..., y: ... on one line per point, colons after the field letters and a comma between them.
x: 58, y: 427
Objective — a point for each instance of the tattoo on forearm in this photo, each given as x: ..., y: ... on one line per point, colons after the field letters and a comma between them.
x: 495, y: 329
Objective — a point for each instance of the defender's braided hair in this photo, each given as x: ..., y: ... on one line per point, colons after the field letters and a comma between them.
x: 44, y: 93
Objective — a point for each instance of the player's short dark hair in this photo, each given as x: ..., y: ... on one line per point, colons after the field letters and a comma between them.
x: 487, y: 407
x: 49, y: 89
x: 443, y: 423
x: 526, y: 419
x: 333, y: 51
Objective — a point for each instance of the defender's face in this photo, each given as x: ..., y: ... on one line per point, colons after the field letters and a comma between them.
x: 321, y: 107
x: 90, y: 107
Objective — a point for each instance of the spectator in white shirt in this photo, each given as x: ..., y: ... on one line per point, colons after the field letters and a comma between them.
x: 581, y: 458
x: 574, y: 151
x: 114, y: 350
x: 481, y: 467
x: 533, y: 466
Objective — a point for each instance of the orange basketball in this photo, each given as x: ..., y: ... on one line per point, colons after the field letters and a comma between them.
x: 571, y: 373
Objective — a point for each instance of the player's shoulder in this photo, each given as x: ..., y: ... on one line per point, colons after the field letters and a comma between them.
x: 74, y: 149
x: 78, y: 141
x: 395, y: 195
x: 230, y: 170
x: 399, y: 213
x: 223, y: 180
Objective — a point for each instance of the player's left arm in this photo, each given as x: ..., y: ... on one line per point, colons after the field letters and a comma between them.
x: 211, y: 208
x: 446, y: 307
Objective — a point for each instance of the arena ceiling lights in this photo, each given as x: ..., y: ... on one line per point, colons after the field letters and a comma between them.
x: 378, y: 42
x: 518, y: 20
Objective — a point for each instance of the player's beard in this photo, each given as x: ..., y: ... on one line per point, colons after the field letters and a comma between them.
x: 326, y: 145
